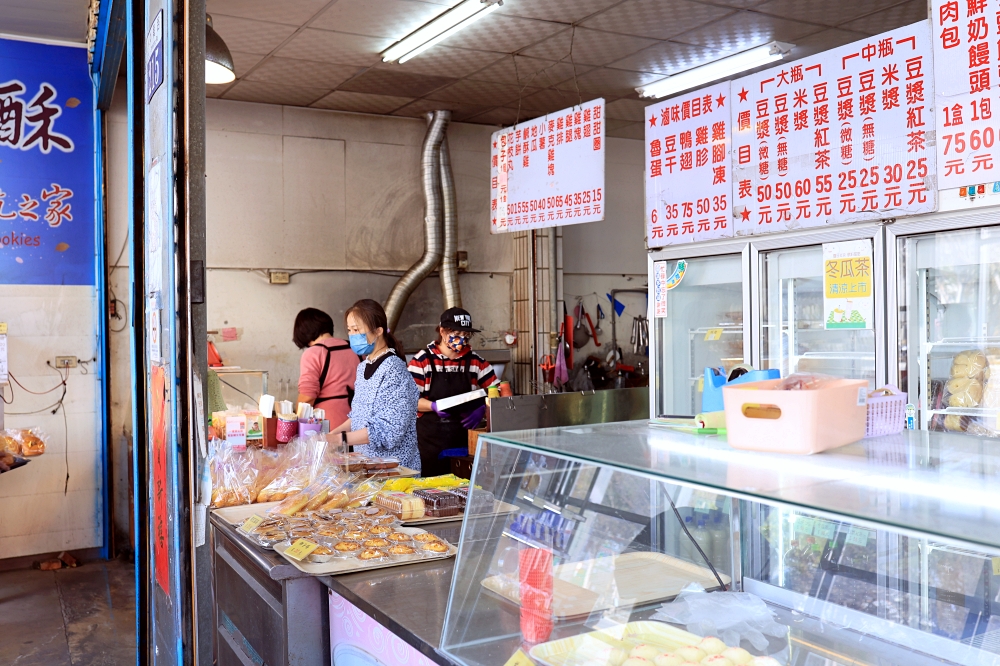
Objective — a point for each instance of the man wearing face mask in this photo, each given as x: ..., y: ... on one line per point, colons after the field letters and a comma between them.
x: 446, y: 368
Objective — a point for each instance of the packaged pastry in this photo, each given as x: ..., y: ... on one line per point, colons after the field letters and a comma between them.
x: 372, y: 512
x: 964, y: 392
x: 269, y: 538
x: 378, y: 465
x: 355, y: 535
x: 434, y: 547
x: 401, y: 550
x: 234, y: 476
x: 438, y: 503
x: 330, y: 531
x: 373, y: 555
x: 403, y: 506
x: 376, y: 542
x: 425, y: 537
x: 322, y: 554
x: 399, y: 537
x: 347, y: 548
x: 32, y: 442
x: 474, y: 500
x: 970, y: 364
x: 380, y: 530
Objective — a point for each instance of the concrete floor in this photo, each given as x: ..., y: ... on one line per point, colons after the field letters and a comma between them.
x: 71, y: 617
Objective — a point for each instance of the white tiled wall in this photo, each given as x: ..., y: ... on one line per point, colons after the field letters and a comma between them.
x: 40, y: 512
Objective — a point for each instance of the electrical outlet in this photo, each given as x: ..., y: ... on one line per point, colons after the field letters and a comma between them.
x: 279, y: 277
x: 113, y: 308
x: 65, y: 362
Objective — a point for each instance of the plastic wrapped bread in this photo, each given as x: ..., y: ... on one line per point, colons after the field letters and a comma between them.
x: 401, y: 505
x: 970, y: 363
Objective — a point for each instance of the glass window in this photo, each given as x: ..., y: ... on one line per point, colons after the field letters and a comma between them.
x: 703, y: 328
x: 949, y: 328
x: 794, y: 336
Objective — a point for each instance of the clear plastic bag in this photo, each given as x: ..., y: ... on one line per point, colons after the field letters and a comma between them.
x: 234, y: 476
x: 970, y: 363
x: 25, y: 442
x: 732, y: 616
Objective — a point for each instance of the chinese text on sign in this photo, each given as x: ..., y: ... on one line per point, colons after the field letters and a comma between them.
x: 549, y: 171
x: 688, y: 167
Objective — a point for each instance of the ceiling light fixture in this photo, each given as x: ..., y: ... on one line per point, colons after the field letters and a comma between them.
x: 219, y: 67
x: 714, y: 71
x: 440, y: 29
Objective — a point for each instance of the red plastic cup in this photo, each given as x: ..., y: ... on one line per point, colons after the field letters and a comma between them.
x: 535, y: 573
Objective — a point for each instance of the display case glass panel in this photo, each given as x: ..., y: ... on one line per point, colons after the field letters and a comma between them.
x: 794, y: 337
x: 949, y: 328
x: 703, y: 328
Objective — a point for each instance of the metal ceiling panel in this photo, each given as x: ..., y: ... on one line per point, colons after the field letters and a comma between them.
x: 273, y: 93
x: 633, y: 110
x: 335, y: 47
x: 341, y: 100
x: 250, y: 36
x: 51, y: 19
x: 446, y: 61
x: 740, y: 4
x: 549, y: 100
x: 289, y: 12
x: 888, y: 19
x: 823, y: 41
x: 824, y: 13
x: 393, y: 19
x: 401, y: 84
x: 505, y: 34
x: 244, y: 62
x: 528, y: 71
x: 590, y: 47
x: 560, y: 11
x: 666, y: 58
x: 610, y: 82
x: 659, y: 19
x: 745, y: 30
x: 503, y: 116
x: 483, y: 93
x: 459, y: 111
x: 625, y: 130
x: 304, y: 73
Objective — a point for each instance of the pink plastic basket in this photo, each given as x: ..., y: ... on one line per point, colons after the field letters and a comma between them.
x: 886, y: 412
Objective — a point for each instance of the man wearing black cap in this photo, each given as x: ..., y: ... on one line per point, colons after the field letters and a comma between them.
x: 446, y: 368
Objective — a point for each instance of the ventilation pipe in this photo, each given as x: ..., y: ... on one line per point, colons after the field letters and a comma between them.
x: 430, y: 172
x: 450, y: 293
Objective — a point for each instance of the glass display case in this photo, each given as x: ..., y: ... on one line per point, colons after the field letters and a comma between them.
x: 949, y: 328
x: 703, y: 328
x: 874, y: 553
x: 794, y: 337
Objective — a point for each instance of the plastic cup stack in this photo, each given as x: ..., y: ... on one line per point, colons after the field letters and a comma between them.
x: 535, y: 570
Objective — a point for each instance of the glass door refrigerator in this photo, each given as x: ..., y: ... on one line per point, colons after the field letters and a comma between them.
x: 703, y: 326
x: 796, y: 330
x: 945, y: 291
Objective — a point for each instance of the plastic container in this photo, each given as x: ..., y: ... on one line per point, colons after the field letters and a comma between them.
x: 439, y: 503
x: 306, y: 428
x: 286, y: 430
x: 403, y: 506
x: 475, y: 500
x: 715, y: 381
x: 886, y: 412
x: 759, y: 417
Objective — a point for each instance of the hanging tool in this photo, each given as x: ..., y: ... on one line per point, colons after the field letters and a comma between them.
x: 600, y: 318
x: 580, y: 334
x: 593, y: 331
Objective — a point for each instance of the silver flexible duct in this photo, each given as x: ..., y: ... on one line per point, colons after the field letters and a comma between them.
x: 450, y: 293
x: 430, y: 171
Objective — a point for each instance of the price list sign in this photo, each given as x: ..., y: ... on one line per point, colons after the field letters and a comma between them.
x: 842, y: 136
x: 688, y: 184
x: 966, y: 67
x: 549, y: 172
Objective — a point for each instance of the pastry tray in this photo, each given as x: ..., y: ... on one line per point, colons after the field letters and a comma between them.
x: 342, y: 566
x: 595, y: 647
x: 638, y: 578
x: 499, y: 509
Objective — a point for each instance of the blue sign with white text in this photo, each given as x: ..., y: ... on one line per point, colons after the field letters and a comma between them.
x: 46, y: 165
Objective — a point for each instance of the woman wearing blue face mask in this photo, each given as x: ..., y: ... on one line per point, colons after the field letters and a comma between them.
x: 382, y: 422
x: 446, y: 368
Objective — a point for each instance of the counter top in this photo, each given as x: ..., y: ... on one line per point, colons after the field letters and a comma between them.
x: 942, y: 485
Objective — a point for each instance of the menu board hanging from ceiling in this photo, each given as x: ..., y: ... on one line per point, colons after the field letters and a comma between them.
x: 549, y: 172
x: 843, y: 136
x: 966, y: 57
x: 687, y: 170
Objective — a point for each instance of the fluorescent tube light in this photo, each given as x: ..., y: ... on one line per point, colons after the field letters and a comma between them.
x: 445, y: 35
x: 439, y: 29
x: 719, y: 69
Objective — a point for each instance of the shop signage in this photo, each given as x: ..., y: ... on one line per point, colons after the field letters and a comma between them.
x: 842, y: 136
x: 154, y: 56
x: 660, y: 289
x: 549, y: 172
x: 688, y: 168
x: 161, y: 517
x: 47, y: 177
x: 848, y: 296
x: 3, y: 358
x: 966, y: 91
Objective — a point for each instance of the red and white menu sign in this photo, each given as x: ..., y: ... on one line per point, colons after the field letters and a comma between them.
x: 966, y: 59
x: 688, y: 168
x: 549, y: 172
x: 839, y: 137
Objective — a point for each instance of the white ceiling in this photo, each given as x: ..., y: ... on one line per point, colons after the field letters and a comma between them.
x: 515, y: 64
x: 64, y: 20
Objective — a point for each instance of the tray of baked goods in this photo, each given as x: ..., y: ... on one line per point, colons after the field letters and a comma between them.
x: 358, y: 540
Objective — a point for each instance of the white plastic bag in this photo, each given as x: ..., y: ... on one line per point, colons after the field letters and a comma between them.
x: 731, y: 616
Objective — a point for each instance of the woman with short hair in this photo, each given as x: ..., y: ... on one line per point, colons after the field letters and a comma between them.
x: 327, y: 366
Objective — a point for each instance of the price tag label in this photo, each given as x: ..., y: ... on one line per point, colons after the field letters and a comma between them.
x: 713, y: 334
x: 824, y: 529
x: 996, y: 566
x: 858, y: 536
x: 519, y: 659
x: 301, y: 548
x: 805, y: 526
x: 3, y: 328
x: 251, y: 523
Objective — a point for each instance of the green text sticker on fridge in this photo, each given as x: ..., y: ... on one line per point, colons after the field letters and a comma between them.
x: 848, y: 284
